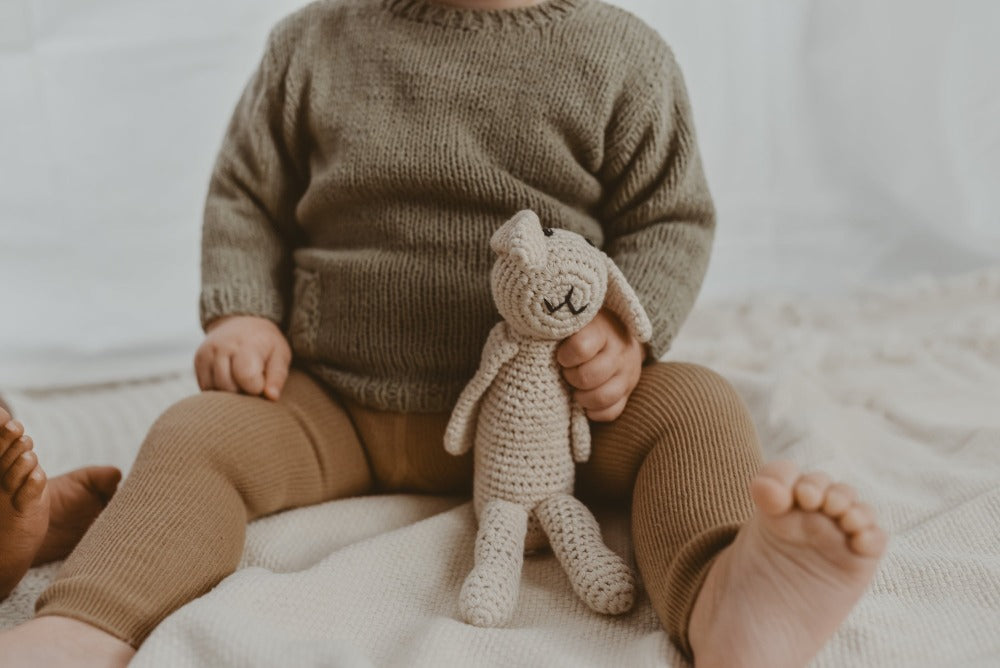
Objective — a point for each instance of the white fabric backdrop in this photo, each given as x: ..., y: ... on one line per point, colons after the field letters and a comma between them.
x: 845, y: 142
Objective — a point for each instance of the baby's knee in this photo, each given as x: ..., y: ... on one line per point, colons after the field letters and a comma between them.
x: 678, y: 397
x: 202, y: 429
x: 690, y: 385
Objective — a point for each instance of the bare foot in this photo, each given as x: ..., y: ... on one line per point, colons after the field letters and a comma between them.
x: 77, y: 498
x: 775, y: 596
x: 24, y: 504
x: 42, y: 521
x: 60, y: 641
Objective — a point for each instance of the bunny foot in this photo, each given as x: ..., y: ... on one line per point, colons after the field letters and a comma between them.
x: 599, y: 576
x: 489, y: 594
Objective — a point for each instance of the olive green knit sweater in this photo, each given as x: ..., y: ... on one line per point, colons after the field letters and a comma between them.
x: 379, y: 145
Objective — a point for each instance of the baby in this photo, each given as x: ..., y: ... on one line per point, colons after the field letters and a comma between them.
x: 345, y: 297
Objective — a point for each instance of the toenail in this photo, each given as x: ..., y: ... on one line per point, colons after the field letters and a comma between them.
x: 10, y: 426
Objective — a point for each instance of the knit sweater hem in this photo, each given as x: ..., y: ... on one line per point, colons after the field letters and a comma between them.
x: 393, y: 395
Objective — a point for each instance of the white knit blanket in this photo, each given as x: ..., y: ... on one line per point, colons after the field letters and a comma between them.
x: 896, y: 391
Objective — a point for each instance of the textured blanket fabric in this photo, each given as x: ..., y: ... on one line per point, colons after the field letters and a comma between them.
x: 895, y: 390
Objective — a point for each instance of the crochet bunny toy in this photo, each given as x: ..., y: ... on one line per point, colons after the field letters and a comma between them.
x: 527, y: 431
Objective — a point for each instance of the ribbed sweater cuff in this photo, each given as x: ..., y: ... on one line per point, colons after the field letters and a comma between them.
x: 217, y: 301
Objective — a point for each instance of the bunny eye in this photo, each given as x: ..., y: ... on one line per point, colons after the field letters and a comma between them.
x: 547, y: 231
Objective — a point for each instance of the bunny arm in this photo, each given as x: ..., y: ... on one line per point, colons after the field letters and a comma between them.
x: 499, y: 349
x: 579, y: 433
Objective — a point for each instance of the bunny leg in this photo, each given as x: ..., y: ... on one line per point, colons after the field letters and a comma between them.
x: 599, y: 576
x: 490, y: 590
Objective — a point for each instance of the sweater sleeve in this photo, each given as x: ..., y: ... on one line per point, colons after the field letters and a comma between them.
x: 249, y: 228
x: 657, y: 212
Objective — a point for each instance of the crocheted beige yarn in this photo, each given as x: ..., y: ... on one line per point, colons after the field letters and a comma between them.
x: 518, y: 412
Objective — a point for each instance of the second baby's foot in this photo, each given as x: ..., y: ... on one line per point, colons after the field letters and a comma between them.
x: 24, y: 505
x: 41, y: 521
x: 775, y: 596
x: 76, y: 499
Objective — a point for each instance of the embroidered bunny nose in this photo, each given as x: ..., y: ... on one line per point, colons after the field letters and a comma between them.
x: 568, y: 303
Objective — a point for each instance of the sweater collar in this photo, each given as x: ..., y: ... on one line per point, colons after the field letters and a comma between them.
x: 427, y: 11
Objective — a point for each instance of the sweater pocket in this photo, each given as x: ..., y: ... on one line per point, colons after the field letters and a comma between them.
x: 304, y: 323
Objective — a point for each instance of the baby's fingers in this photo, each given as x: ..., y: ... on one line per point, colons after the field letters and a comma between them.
x: 605, y: 397
x: 276, y: 373
x: 203, y: 368
x: 608, y: 414
x: 222, y: 378
x: 592, y: 374
x: 582, y: 346
x: 247, y: 369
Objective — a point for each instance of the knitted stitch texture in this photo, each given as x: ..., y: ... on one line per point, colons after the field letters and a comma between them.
x: 527, y: 432
x: 379, y: 145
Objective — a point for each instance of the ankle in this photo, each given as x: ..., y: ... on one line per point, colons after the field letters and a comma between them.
x: 700, y: 622
x: 57, y: 642
x: 86, y: 638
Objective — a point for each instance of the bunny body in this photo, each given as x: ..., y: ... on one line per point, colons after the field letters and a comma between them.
x: 519, y: 415
x: 522, y: 451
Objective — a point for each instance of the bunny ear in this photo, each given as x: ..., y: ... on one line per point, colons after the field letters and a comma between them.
x: 621, y: 299
x: 522, y: 237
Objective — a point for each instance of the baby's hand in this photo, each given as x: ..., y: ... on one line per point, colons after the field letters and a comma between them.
x: 242, y: 352
x: 603, y: 362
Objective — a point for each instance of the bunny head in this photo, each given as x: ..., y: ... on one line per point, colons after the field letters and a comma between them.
x: 548, y: 283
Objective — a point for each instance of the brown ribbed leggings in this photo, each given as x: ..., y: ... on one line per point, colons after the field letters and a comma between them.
x: 683, y: 452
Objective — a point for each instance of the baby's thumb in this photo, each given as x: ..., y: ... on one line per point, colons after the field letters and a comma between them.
x: 275, y: 374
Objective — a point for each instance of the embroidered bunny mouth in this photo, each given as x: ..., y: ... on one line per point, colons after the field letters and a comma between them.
x: 567, y: 303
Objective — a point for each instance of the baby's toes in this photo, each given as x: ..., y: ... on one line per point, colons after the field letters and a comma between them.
x: 858, y: 517
x: 15, y: 450
x: 9, y: 433
x: 18, y: 472
x: 31, y: 489
x: 771, y: 489
x: 870, y: 542
x: 839, y: 499
x: 810, y: 490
